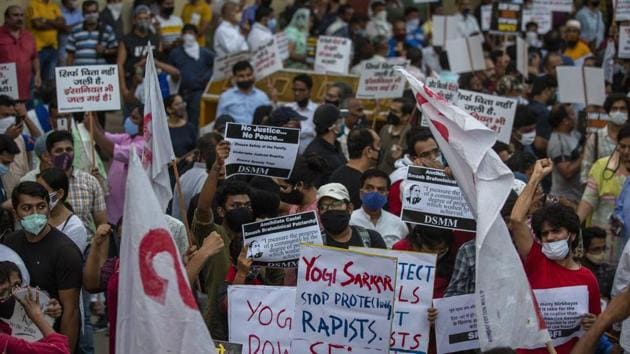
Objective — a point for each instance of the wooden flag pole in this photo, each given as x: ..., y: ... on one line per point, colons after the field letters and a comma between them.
x: 550, y: 348
x: 92, y: 143
x: 182, y: 205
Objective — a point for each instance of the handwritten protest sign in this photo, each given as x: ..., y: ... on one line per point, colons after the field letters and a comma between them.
x: 222, y: 347
x: 8, y: 81
x: 554, y: 5
x: 522, y: 56
x: 261, y: 317
x: 624, y: 42
x: 344, y: 301
x: 448, y: 90
x: 496, y: 112
x: 333, y: 54
x: 283, y: 45
x: 266, y: 60
x: 456, y: 325
x: 380, y: 80
x: 465, y: 54
x: 583, y: 85
x: 261, y: 150
x: 87, y: 88
x: 222, y: 67
x: 414, y: 291
x: 622, y: 10
x: 486, y: 17
x: 506, y: 18
x: 21, y: 325
x: 444, y: 28
x: 275, y: 243
x: 432, y: 198
x: 539, y: 15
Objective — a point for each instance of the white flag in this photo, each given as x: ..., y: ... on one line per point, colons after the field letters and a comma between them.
x: 158, y: 149
x: 157, y: 312
x: 506, y: 312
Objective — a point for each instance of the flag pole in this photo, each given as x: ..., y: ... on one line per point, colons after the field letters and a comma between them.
x: 182, y: 204
x: 550, y: 348
x: 91, y: 115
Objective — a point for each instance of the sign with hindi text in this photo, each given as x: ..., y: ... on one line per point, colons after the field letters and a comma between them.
x: 266, y: 59
x: 622, y: 10
x: 496, y: 112
x: 333, y: 54
x: 448, y: 90
x: 554, y: 5
x: 380, y: 80
x: 8, y: 81
x: 283, y: 45
x: 456, y: 324
x: 222, y: 67
x: 539, y: 15
x: 87, y: 88
x: 624, y: 42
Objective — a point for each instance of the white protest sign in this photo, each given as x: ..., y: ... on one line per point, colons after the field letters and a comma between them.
x: 448, y: 90
x: 496, y: 112
x: 261, y: 317
x: 8, y: 81
x: 608, y: 62
x: 380, y: 80
x: 87, y: 88
x: 283, y: 45
x: 624, y: 42
x: 431, y: 59
x: 554, y: 5
x: 261, y: 150
x: 344, y: 301
x: 456, y: 324
x: 275, y: 243
x: 333, y: 54
x: 539, y: 15
x: 521, y: 56
x: 444, y: 28
x: 486, y: 17
x: 266, y: 60
x: 222, y: 68
x: 414, y: 291
x: 622, y: 10
x: 432, y: 198
x: 21, y: 325
x: 465, y: 54
x: 584, y: 85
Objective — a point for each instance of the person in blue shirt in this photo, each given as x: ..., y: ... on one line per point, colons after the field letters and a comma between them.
x: 241, y: 101
x: 401, y: 40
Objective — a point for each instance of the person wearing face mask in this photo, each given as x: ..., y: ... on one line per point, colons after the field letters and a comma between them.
x: 541, y: 96
x: 550, y: 262
x: 241, y: 101
x: 298, y: 193
x: 392, y: 133
x: 41, y: 246
x: 337, y: 92
x: 378, y: 25
x: 91, y: 43
x: 413, y: 25
x: 327, y: 119
x: 374, y: 189
x: 576, y: 49
x: 333, y: 202
x: 228, y: 37
x: 183, y: 134
x: 354, y: 118
x: 260, y: 32
x: 12, y: 125
x: 564, y: 149
x: 592, y: 22
x: 341, y: 26
x: 523, y: 130
x: 72, y: 16
x: 170, y: 25
x: 531, y: 34
x: 199, y: 14
x: 467, y: 24
x: 8, y: 150
x: 302, y: 86
x: 110, y: 16
x: 594, y: 258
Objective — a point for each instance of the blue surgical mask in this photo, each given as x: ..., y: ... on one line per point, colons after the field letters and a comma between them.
x: 34, y: 223
x: 373, y: 201
x: 131, y: 128
x: 272, y: 24
x: 3, y: 169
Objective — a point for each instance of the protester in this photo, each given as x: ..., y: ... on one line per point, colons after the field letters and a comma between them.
x: 378, y: 25
x: 327, y: 120
x: 302, y: 86
x: 45, y: 21
x: 72, y: 17
x: 393, y: 132
x: 260, y: 33
x: 90, y: 42
x: 564, y: 150
x: 299, y: 191
x: 8, y: 150
x: 594, y: 259
x: 183, y: 133
x: 337, y: 92
x: 110, y: 16
x: 12, y: 124
x: 169, y: 24
x: 199, y: 14
x: 467, y: 24
x: 576, y: 49
x: 228, y: 38
x: 341, y: 26
x: 297, y: 34
x: 285, y: 117
x: 241, y: 101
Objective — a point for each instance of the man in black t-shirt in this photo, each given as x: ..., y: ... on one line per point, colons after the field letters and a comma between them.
x: 52, y: 259
x: 333, y: 202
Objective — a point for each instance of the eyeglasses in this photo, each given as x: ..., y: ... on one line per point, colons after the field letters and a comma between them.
x: 334, y: 205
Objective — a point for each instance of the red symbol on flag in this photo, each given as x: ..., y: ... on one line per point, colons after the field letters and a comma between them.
x: 421, y: 100
x: 441, y: 128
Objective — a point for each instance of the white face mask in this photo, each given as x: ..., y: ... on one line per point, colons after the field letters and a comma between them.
x: 189, y: 40
x: 381, y: 16
x: 53, y: 200
x: 618, y: 117
x: 527, y: 138
x: 557, y: 250
x: 596, y: 259
x: 5, y: 123
x: 413, y: 24
x: 115, y: 9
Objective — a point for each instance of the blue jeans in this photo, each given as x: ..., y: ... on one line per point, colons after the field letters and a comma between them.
x: 86, y: 338
x: 48, y: 58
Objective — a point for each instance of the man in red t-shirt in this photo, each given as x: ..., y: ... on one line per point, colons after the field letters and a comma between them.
x: 549, y: 263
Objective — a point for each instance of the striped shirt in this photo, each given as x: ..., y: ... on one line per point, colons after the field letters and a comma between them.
x: 83, y: 43
x: 170, y: 28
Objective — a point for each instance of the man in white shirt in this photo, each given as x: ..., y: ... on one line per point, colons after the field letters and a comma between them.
x: 260, y: 33
x: 374, y: 189
x: 302, y: 85
x: 466, y: 22
x: 228, y: 38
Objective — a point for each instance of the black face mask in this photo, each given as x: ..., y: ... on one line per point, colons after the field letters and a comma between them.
x: 302, y: 103
x: 334, y: 103
x: 393, y: 119
x: 465, y: 12
x: 168, y: 11
x: 294, y: 197
x: 7, y: 307
x: 235, y: 218
x: 595, y: 3
x: 245, y: 85
x: 571, y: 44
x: 335, y: 221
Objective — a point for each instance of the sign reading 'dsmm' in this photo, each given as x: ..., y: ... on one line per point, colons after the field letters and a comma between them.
x: 380, y: 80
x: 275, y: 243
x: 344, y: 301
x: 261, y: 150
x: 456, y: 326
x: 87, y: 88
x: 414, y: 291
x: 432, y: 198
x: 333, y: 55
x: 496, y: 112
x: 261, y: 317
x: 266, y: 59
x: 8, y: 81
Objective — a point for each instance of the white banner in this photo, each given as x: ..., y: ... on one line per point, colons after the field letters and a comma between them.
x: 222, y: 67
x: 456, y: 324
x: 495, y: 112
x: 582, y: 85
x: 380, y: 80
x: 87, y: 88
x: 444, y: 28
x: 539, y: 15
x: 8, y: 81
x: 465, y: 54
x: 333, y: 55
x: 266, y: 60
x: 622, y: 10
x: 624, y: 42
x: 554, y: 5
x: 283, y: 45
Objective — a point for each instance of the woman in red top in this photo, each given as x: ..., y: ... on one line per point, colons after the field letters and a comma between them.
x: 549, y: 264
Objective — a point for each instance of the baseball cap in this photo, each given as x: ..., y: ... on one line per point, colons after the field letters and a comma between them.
x: 282, y: 115
x: 324, y: 117
x: 221, y: 122
x: 333, y: 190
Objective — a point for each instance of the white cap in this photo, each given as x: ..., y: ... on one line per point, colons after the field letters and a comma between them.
x: 333, y: 190
x: 574, y: 24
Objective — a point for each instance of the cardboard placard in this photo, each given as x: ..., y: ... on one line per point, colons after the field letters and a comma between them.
x: 275, y: 243
x: 496, y: 112
x: 456, y: 324
x: 380, y: 80
x: 433, y: 199
x: 344, y: 301
x: 333, y: 54
x: 222, y: 68
x: 539, y: 15
x: 624, y: 42
x: 584, y: 85
x: 261, y: 317
x: 261, y: 150
x: 448, y: 90
x: 506, y: 18
x: 21, y: 325
x: 87, y: 88
x: 8, y: 81
x: 266, y: 60
x: 554, y: 5
x: 622, y: 10
x: 227, y: 348
x: 465, y: 54
x: 414, y: 291
x: 522, y: 56
x: 486, y: 17
x: 283, y: 45
x: 444, y: 28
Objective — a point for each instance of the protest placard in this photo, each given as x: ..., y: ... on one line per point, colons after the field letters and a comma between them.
x: 465, y: 54
x: 522, y: 56
x: 431, y: 59
x: 444, y: 28
x: 486, y: 17
x: 554, y: 5
x: 261, y: 317
x: 21, y: 325
x: 333, y: 54
x: 448, y: 90
x: 584, y: 85
x: 496, y: 112
x: 87, y: 88
x: 539, y: 15
x: 266, y: 59
x: 275, y: 243
x: 8, y: 81
x: 414, y: 291
x: 506, y: 18
x: 624, y: 42
x: 283, y: 45
x: 261, y: 150
x: 344, y: 301
x: 380, y: 80
x: 432, y: 198
x: 622, y: 10
x: 222, y: 67
x: 595, y: 121
x: 456, y: 325
x: 222, y: 347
